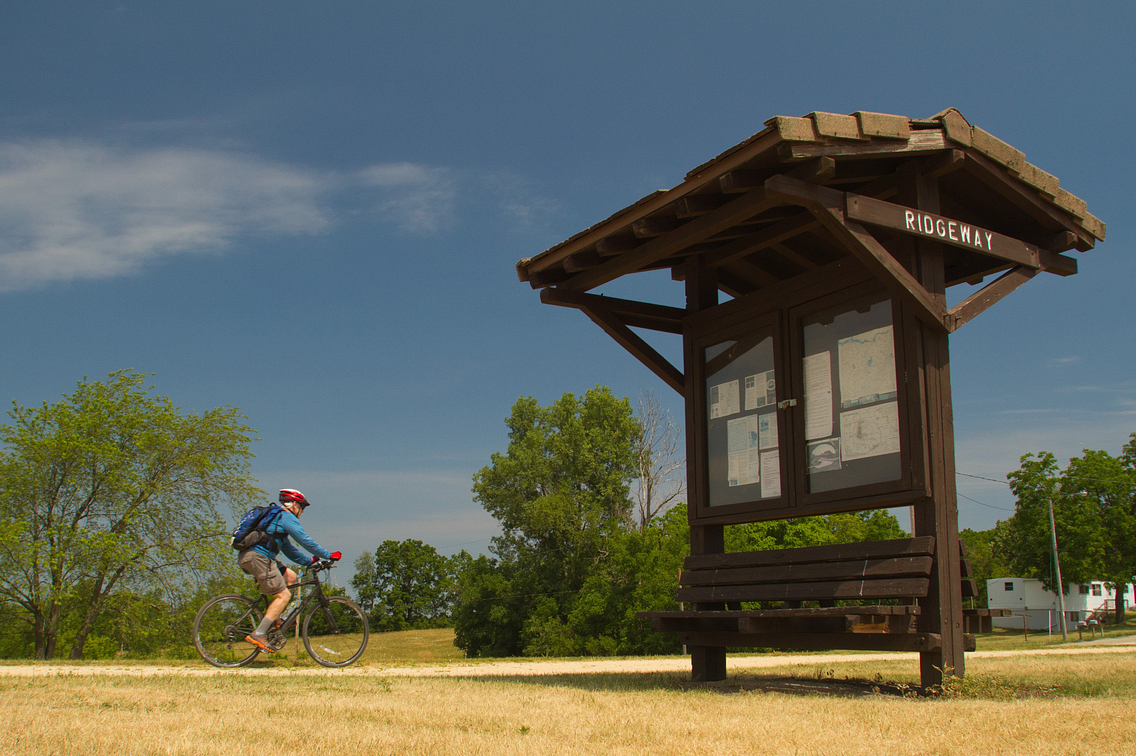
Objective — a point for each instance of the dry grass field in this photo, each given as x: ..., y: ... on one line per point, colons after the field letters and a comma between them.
x: 1051, y: 704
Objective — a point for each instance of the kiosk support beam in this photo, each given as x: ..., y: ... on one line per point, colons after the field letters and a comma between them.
x: 937, y: 516
x: 707, y: 663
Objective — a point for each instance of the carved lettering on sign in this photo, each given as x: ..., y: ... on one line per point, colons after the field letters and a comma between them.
x: 942, y: 228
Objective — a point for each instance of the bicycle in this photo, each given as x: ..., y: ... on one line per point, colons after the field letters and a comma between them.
x: 334, y: 628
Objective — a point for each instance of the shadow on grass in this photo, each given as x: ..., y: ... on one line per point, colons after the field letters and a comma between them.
x: 620, y: 682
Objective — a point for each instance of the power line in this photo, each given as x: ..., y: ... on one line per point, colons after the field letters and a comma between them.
x: 981, y: 504
x: 979, y: 477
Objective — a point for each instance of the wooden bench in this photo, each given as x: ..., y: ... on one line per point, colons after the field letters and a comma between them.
x: 858, y: 576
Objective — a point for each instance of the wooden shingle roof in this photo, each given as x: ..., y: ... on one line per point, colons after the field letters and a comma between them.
x: 733, y: 209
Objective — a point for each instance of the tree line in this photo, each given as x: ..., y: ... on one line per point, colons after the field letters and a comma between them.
x: 592, y: 532
x: 115, y: 508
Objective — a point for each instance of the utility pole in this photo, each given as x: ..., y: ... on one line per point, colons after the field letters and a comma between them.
x: 1057, y: 567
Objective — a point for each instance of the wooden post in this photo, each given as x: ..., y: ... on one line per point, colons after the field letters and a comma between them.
x: 937, y: 516
x: 707, y: 663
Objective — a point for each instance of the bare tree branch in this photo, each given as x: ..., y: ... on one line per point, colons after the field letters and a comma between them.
x: 661, y: 461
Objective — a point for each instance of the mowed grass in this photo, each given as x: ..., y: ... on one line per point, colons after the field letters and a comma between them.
x: 1004, y: 639
x: 1057, y: 704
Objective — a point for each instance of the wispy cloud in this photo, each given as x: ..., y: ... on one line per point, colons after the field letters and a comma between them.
x: 78, y: 210
x: 73, y: 210
x: 523, y: 208
x: 415, y: 198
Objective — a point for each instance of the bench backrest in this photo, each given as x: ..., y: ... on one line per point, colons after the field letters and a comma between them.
x: 870, y: 570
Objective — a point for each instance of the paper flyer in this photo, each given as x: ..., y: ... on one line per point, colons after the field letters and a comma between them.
x: 724, y: 400
x: 818, y: 395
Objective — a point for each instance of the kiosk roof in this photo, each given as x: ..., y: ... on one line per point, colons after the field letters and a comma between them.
x: 732, y: 208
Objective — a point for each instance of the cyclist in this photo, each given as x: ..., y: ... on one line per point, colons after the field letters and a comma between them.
x: 271, y: 576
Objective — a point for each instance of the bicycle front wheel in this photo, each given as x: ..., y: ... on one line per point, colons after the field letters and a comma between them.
x: 220, y: 628
x: 336, y: 636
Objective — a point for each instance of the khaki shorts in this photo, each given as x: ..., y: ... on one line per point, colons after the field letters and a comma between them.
x: 265, y: 570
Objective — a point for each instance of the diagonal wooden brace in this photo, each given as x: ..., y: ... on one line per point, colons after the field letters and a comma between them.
x: 828, y: 207
x: 979, y: 301
x: 632, y: 342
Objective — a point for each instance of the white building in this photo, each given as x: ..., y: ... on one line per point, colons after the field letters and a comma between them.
x: 1026, y: 597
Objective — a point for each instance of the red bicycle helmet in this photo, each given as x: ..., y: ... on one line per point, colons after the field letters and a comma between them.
x: 291, y: 495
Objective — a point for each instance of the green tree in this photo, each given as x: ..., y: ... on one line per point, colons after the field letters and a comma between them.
x: 850, y: 527
x: 1094, y: 506
x: 560, y: 493
x: 638, y: 572
x: 113, y: 490
x: 363, y: 582
x: 986, y: 554
x: 408, y: 585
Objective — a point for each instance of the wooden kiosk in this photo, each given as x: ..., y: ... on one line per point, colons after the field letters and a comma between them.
x: 822, y: 384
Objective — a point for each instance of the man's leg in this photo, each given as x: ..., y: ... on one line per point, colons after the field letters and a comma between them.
x: 272, y: 583
x: 272, y: 613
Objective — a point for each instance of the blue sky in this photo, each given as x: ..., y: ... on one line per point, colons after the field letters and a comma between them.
x: 313, y: 211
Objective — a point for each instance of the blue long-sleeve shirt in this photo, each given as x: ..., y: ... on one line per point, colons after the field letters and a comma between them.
x: 287, y: 528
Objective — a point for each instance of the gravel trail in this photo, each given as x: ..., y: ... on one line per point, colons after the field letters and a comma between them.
x: 522, y: 668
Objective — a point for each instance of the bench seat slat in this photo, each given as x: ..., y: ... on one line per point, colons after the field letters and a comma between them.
x: 795, y: 573
x: 821, y: 641
x: 843, y: 590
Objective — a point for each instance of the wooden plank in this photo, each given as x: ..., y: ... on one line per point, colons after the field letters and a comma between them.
x: 872, y: 624
x: 588, y: 258
x: 837, y: 591
x: 899, y: 547
x: 875, y: 610
x: 923, y: 141
x: 1062, y: 241
x: 1051, y: 262
x: 796, y: 192
x: 635, y: 344
x: 741, y: 181
x: 695, y: 205
x: 816, y: 171
x: 547, y: 277
x: 751, y: 243
x: 636, y: 314
x: 817, y: 641
x: 985, y: 612
x: 981, y: 300
x: 789, y: 573
x: 617, y: 244
x: 939, y: 228
x: 745, y: 206
x: 648, y: 228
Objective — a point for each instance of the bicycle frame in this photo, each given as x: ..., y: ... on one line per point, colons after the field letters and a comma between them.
x: 286, y: 622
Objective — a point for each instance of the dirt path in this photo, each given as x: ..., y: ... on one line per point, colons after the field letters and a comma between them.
x: 519, y: 668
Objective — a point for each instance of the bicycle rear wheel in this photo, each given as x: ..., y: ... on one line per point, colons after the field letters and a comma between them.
x: 220, y: 628
x: 336, y: 636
